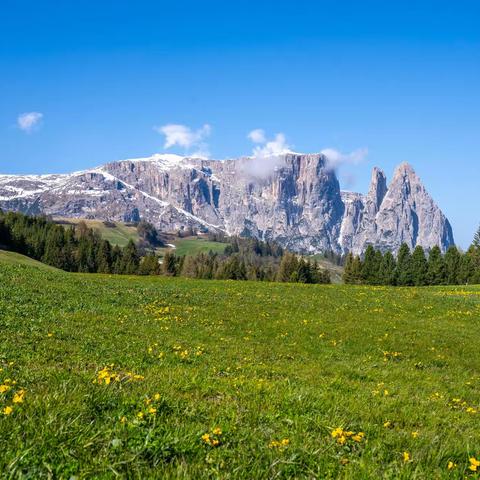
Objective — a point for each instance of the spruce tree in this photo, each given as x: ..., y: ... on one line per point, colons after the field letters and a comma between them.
x: 357, y: 270
x: 404, y: 273
x: 169, y: 264
x: 452, y: 265
x: 348, y: 269
x: 370, y: 266
x: 466, y: 270
x: 287, y: 270
x: 476, y: 239
x: 436, y: 267
x: 54, y: 254
x: 419, y: 266
x: 104, y: 257
x: 388, y: 269
x: 149, y: 265
x: 130, y: 259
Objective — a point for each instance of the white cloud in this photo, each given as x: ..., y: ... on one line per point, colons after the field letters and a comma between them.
x: 185, y: 137
x: 277, y: 146
x: 267, y: 155
x: 28, y: 121
x: 336, y: 158
x: 257, y: 136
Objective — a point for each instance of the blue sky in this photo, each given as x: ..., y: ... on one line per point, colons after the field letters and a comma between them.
x: 399, y: 78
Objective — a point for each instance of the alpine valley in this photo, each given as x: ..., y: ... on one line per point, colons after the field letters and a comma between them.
x: 297, y: 202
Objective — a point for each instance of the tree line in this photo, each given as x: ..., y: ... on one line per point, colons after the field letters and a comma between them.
x: 78, y: 248
x: 243, y: 266
x: 415, y: 268
x: 74, y: 248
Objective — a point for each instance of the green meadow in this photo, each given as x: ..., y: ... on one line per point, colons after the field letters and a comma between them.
x: 107, y: 376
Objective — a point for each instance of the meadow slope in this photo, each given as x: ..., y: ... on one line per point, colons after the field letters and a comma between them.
x: 136, y: 377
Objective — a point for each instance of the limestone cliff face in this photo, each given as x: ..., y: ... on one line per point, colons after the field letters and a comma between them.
x: 299, y: 203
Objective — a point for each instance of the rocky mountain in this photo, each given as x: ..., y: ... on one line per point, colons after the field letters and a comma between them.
x: 297, y: 202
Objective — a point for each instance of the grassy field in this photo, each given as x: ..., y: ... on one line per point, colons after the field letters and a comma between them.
x: 119, y: 234
x: 107, y: 377
x: 194, y: 245
x: 12, y: 258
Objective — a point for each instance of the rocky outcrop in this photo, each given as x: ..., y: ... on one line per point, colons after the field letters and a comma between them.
x: 298, y: 202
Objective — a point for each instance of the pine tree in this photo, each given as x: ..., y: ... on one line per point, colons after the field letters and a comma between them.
x: 54, y: 254
x: 452, y: 265
x: 149, y: 265
x: 104, y: 257
x: 404, y: 273
x: 169, y: 264
x: 378, y: 265
x: 348, y: 269
x: 189, y: 268
x: 466, y: 270
x: 287, y: 271
x: 357, y: 270
x: 370, y: 266
x: 476, y: 239
x: 304, y: 271
x: 388, y: 269
x: 419, y: 266
x: 436, y: 267
x: 130, y: 259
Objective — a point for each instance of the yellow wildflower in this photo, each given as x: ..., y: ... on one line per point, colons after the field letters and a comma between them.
x: 7, y: 410
x: 451, y: 465
x: 4, y: 388
x: 279, y: 443
x: 474, y: 464
x: 18, y: 397
x: 337, y: 432
x: 415, y: 434
x: 406, y: 457
x: 358, y: 437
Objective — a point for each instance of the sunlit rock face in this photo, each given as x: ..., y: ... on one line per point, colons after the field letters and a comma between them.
x: 296, y: 201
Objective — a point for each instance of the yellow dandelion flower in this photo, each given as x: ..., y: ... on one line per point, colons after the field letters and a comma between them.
x: 451, y: 465
x: 415, y: 434
x: 7, y: 410
x: 474, y: 464
x: 4, y: 388
x: 358, y: 437
x: 406, y: 457
x: 217, y: 431
x: 337, y: 432
x: 18, y: 397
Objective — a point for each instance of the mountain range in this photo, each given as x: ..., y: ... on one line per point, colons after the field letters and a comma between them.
x: 294, y: 199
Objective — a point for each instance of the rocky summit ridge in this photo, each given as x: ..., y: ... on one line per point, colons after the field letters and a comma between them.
x: 294, y: 199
